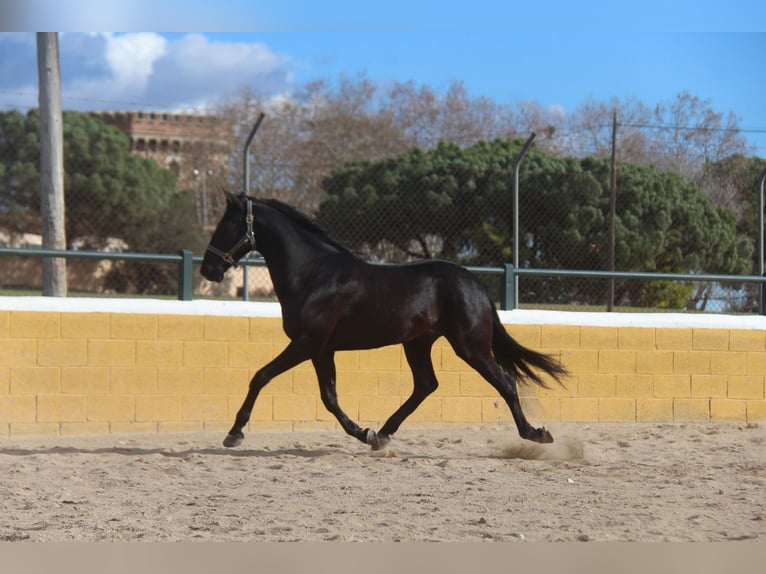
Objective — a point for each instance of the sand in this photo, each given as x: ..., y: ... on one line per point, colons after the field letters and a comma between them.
x: 597, y: 482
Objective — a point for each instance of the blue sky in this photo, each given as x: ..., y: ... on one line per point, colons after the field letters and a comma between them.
x: 558, y: 55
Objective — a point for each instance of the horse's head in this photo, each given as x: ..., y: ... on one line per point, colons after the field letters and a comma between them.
x: 232, y: 239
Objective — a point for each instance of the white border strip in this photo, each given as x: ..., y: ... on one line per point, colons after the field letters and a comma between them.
x: 258, y: 309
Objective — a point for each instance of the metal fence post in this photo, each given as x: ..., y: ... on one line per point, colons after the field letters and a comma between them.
x: 516, y: 229
x: 185, y: 284
x: 508, y: 298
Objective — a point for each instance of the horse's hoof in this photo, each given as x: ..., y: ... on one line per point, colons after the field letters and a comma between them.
x: 233, y: 440
x: 375, y: 440
x: 545, y: 436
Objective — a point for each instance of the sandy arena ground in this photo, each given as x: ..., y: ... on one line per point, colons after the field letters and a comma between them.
x: 599, y: 482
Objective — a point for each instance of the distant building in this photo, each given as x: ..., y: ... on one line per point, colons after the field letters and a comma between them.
x: 196, y: 147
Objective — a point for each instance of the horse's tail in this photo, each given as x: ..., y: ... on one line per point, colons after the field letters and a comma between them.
x: 519, y: 361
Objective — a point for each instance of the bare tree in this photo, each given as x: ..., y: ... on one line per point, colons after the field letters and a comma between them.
x: 51, y: 163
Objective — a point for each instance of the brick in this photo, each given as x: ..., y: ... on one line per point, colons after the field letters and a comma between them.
x: 262, y: 411
x: 58, y: 352
x: 250, y: 355
x: 654, y: 410
x: 223, y: 381
x: 180, y: 381
x: 672, y: 386
x: 18, y: 352
x: 756, y: 363
x: 84, y: 428
x: 746, y: 387
x: 399, y: 383
x: 5, y: 319
x: 654, y: 362
x: 449, y: 384
x: 596, y: 385
x: 34, y: 325
x: 494, y: 410
x: 133, y: 380
x: 472, y: 384
x: 110, y: 408
x: 691, y: 410
x: 616, y: 362
x: 134, y: 327
x: 384, y: 359
x: 461, y: 410
x: 709, y: 386
x: 349, y: 360
x: 18, y: 409
x: 124, y: 427
x: 616, y: 410
x: 691, y: 362
x: 359, y: 383
x: 756, y: 411
x: 728, y: 409
x: 205, y: 354
x: 158, y: 408
x: 579, y: 409
x: 85, y: 325
x: 550, y: 409
x: 179, y: 328
x: 635, y: 338
x: 598, y: 337
x: 673, y: 339
x: 710, y: 339
x: 267, y: 330
x: 376, y: 409
x: 580, y: 360
x: 38, y: 429
x: 449, y: 361
x: 430, y: 410
x: 111, y: 353
x: 5, y: 381
x: 349, y: 405
x: 527, y: 335
x: 226, y: 329
x: 85, y: 380
x: 60, y: 408
x: 560, y: 337
x: 742, y: 340
x: 728, y: 363
x: 634, y: 386
x: 294, y: 407
x: 159, y: 353
x: 281, y: 385
x: 177, y: 427
x: 35, y: 380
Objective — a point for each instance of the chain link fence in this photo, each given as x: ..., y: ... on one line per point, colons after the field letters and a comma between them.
x: 151, y: 184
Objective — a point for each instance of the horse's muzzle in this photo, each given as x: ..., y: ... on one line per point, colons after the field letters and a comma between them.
x: 212, y: 273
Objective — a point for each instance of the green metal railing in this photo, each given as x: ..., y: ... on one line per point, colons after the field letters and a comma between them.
x: 508, y: 274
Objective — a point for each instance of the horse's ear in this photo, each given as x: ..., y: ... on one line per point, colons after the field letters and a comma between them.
x: 232, y: 199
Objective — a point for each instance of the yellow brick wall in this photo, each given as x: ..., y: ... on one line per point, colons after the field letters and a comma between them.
x: 74, y: 372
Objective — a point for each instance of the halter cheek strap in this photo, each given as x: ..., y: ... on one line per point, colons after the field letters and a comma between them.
x: 248, y: 239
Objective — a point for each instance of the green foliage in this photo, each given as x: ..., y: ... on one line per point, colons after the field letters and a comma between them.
x: 110, y: 194
x: 455, y: 203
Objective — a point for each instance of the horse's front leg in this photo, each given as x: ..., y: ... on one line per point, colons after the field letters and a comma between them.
x: 325, y: 370
x: 294, y: 354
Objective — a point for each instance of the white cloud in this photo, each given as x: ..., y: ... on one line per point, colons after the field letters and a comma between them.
x: 131, y: 58
x: 144, y: 70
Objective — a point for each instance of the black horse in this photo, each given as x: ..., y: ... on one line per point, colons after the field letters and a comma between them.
x: 332, y: 300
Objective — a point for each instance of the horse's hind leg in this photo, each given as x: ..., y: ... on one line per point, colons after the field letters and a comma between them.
x: 294, y: 354
x: 325, y: 369
x: 505, y: 384
x: 418, y: 353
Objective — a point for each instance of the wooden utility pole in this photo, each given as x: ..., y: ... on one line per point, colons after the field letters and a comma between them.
x: 51, y: 162
x: 612, y: 212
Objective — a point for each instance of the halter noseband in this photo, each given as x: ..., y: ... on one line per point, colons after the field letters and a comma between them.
x: 247, y: 239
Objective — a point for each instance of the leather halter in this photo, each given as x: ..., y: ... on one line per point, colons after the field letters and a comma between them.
x: 247, y: 239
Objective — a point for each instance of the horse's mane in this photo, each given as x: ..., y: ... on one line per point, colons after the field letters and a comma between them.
x: 306, y: 223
